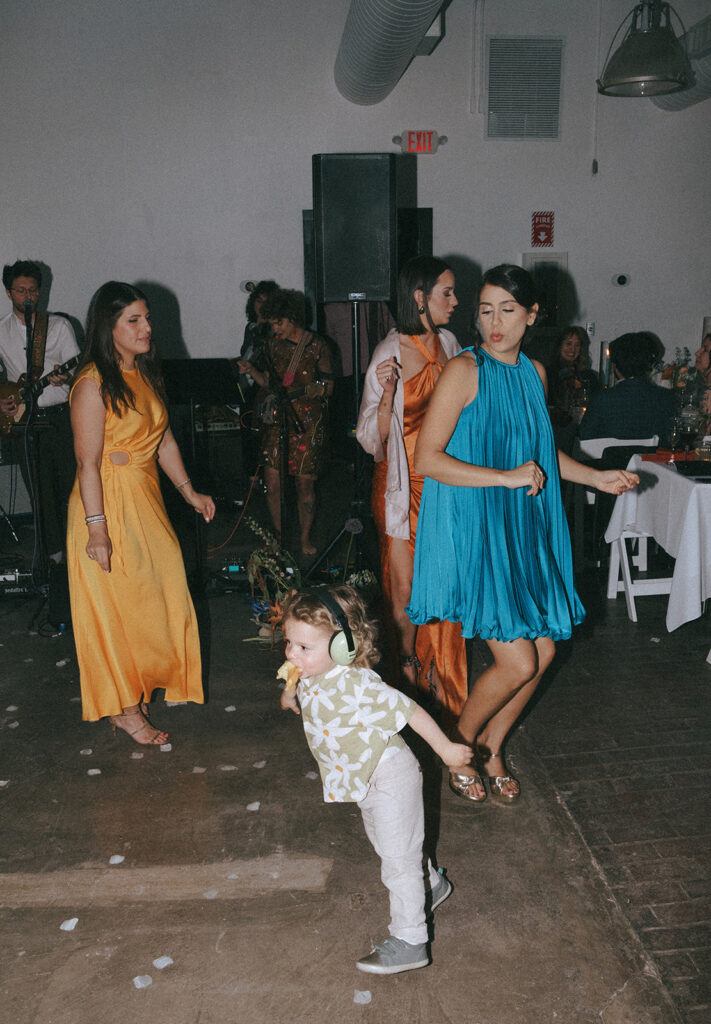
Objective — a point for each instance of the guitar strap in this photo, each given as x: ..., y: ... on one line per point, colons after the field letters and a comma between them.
x: 39, y: 343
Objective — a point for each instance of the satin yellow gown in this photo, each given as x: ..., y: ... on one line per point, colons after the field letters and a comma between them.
x: 439, y: 646
x: 135, y: 627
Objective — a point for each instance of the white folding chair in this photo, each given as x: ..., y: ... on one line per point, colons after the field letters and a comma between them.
x: 619, y: 577
x: 594, y: 448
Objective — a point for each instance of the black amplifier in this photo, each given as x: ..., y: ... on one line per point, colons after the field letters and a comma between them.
x: 12, y: 581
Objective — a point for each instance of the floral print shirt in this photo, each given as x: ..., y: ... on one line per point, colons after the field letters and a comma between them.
x: 350, y: 718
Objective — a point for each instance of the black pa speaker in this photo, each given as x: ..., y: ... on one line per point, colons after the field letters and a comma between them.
x: 356, y: 201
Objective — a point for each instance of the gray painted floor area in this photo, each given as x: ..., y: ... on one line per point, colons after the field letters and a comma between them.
x: 262, y: 896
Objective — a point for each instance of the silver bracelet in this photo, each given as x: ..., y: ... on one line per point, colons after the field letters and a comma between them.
x: 101, y: 518
x: 179, y: 487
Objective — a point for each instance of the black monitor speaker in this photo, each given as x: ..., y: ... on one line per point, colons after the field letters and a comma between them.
x: 357, y: 199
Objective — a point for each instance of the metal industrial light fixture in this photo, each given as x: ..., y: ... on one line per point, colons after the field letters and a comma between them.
x: 650, y: 60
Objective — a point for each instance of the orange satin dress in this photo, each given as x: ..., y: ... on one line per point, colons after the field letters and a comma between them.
x: 135, y: 627
x: 439, y: 645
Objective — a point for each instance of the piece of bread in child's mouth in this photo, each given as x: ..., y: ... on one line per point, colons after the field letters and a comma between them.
x: 290, y: 674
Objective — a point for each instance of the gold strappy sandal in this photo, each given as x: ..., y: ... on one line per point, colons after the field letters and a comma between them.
x: 460, y: 784
x: 497, y: 783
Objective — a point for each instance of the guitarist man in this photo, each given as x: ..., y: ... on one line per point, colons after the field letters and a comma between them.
x: 53, y: 345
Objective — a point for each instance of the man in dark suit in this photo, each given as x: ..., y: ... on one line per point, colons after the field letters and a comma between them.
x: 634, y: 408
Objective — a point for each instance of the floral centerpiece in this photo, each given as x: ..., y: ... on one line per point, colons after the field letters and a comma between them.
x: 679, y: 373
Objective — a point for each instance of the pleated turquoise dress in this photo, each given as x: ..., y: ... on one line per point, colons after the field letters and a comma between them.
x: 495, y: 559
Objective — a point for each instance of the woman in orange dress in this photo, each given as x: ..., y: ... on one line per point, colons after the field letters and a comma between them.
x: 134, y: 623
x: 398, y: 385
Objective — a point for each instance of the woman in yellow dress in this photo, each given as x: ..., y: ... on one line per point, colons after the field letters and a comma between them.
x: 134, y: 623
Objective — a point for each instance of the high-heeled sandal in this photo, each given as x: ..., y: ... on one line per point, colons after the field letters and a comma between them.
x: 138, y: 725
x: 497, y: 783
x: 460, y: 783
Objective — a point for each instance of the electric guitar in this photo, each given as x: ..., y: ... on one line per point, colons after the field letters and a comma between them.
x: 22, y: 392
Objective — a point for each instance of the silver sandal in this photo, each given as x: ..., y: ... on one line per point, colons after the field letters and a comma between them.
x: 460, y: 784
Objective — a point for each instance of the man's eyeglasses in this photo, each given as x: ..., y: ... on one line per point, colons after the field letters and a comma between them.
x: 25, y: 291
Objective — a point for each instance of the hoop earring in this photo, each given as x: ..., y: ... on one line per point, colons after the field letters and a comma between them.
x: 420, y: 310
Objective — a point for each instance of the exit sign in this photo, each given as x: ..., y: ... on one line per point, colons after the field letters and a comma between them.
x: 419, y: 141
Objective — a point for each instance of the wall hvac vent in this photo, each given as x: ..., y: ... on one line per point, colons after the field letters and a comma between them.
x: 524, y: 87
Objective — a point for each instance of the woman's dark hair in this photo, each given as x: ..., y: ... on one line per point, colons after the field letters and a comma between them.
x: 582, y: 361
x: 421, y: 272
x: 514, y: 280
x: 633, y: 354
x: 286, y: 304
x: 261, y: 290
x: 105, y: 308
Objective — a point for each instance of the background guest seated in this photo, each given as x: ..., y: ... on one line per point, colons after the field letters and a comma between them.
x: 703, y: 365
x: 571, y: 383
x: 634, y: 408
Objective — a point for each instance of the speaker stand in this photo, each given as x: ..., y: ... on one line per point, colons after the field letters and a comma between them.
x: 354, y: 525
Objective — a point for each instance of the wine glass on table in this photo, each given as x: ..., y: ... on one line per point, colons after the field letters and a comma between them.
x: 689, y: 428
x: 674, y: 437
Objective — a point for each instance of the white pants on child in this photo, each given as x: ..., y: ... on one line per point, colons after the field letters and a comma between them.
x: 394, y: 820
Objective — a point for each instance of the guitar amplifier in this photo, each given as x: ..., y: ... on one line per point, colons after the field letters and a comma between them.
x: 13, y: 582
x: 13, y: 493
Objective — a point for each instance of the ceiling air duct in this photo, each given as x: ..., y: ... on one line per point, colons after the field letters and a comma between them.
x: 379, y: 40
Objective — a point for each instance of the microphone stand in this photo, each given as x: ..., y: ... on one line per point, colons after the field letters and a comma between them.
x: 30, y: 446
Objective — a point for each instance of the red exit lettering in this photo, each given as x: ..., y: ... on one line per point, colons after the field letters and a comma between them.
x: 419, y: 141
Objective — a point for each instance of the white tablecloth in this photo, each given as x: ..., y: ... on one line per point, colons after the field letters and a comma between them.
x: 676, y: 511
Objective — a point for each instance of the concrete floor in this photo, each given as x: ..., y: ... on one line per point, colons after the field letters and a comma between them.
x: 263, y: 897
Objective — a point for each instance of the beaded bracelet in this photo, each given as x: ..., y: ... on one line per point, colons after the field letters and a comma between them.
x: 179, y: 487
x: 101, y: 518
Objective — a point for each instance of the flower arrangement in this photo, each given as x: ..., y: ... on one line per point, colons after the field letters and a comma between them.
x: 272, y: 572
x: 679, y: 373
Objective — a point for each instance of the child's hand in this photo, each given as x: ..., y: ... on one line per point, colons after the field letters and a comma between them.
x: 455, y: 755
x: 289, y: 701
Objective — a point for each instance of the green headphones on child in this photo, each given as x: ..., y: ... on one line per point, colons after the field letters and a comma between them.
x: 342, y: 647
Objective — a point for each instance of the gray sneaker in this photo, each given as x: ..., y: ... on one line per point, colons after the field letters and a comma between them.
x: 439, y: 892
x: 392, y: 955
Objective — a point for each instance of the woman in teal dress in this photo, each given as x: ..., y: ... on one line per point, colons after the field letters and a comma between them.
x: 492, y: 549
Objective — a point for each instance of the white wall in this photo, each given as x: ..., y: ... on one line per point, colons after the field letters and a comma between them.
x: 170, y: 141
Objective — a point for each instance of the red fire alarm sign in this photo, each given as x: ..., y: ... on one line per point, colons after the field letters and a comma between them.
x: 542, y: 228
